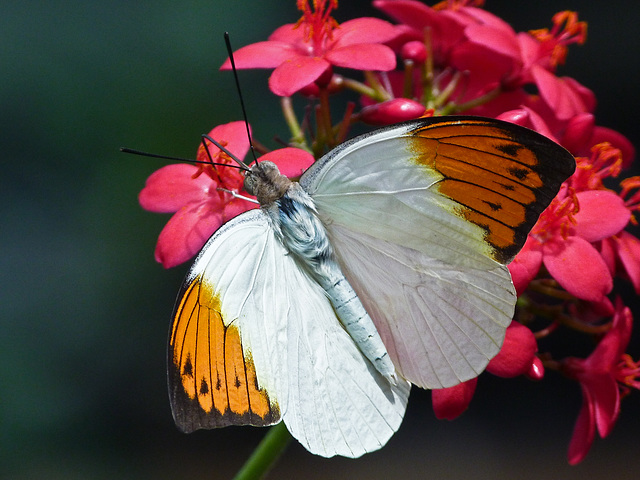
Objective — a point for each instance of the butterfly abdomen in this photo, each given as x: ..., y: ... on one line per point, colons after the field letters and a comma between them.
x: 304, y: 236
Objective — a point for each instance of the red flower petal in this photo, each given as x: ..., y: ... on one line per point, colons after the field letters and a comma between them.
x: 525, y: 266
x: 517, y: 352
x: 602, y: 214
x: 489, y: 69
x: 450, y: 403
x: 578, y: 132
x: 499, y: 41
x: 186, y: 233
x: 560, y: 95
x: 526, y: 117
x: 609, y: 350
x: 292, y: 162
x: 262, y: 55
x: 289, y: 33
x: 410, y: 12
x: 579, y: 268
x: 294, y: 74
x: 361, y: 31
x: 366, y: 56
x: 446, y: 30
x: 172, y: 187
x: 584, y: 431
x: 234, y: 135
x: 587, y: 97
x: 605, y: 395
x: 628, y: 249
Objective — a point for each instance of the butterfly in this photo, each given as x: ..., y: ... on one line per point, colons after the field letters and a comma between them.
x: 385, y: 266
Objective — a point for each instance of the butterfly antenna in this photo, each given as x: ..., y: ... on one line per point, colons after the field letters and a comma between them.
x: 240, y: 163
x: 179, y: 159
x: 227, y: 41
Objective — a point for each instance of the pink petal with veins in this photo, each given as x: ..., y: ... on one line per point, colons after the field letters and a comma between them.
x: 267, y: 54
x: 171, y: 187
x: 578, y: 268
x: 602, y: 214
x: 368, y: 56
x: 293, y: 75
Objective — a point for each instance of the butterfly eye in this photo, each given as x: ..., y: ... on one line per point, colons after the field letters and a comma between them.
x: 250, y: 182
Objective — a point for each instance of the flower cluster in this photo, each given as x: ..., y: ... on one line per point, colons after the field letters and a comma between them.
x: 453, y: 57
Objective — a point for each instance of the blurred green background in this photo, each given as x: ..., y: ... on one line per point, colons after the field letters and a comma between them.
x: 86, y: 309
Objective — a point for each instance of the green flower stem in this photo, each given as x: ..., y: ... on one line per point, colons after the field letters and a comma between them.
x: 325, y: 119
x: 428, y: 75
x: 481, y: 100
x: 377, y: 92
x: 446, y: 93
x: 265, y: 454
x: 297, y: 136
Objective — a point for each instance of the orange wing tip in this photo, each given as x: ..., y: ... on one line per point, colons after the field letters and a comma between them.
x: 193, y: 412
x: 501, y: 176
x: 212, y: 380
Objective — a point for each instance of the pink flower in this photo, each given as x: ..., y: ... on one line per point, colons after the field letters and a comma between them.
x: 199, y: 195
x: 516, y: 357
x: 444, y: 24
x: 602, y: 376
x: 446, y: 21
x: 532, y: 58
x: 562, y: 241
x: 304, y: 52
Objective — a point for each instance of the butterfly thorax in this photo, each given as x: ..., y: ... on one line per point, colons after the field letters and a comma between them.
x: 292, y: 214
x: 266, y: 182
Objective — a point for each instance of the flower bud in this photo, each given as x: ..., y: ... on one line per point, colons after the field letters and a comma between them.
x: 536, y: 370
x: 392, y: 111
x: 414, y: 51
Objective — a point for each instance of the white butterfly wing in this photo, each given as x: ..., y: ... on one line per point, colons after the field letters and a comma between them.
x: 306, y: 366
x: 441, y: 323
x: 439, y: 206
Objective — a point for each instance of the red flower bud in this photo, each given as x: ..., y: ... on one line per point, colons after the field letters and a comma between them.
x: 392, y: 111
x: 536, y: 370
x: 415, y: 51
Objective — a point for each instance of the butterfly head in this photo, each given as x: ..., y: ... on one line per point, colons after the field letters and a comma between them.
x: 265, y: 181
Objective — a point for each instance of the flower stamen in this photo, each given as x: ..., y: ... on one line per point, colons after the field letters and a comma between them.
x: 566, y: 30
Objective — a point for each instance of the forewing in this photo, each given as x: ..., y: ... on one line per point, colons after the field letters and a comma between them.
x: 465, y: 190
x: 307, y: 368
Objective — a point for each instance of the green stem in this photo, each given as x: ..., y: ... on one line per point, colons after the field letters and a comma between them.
x: 476, y: 102
x: 325, y: 118
x: 297, y: 135
x: 265, y: 454
x: 372, y: 89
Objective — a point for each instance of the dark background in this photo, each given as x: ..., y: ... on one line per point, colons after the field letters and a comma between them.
x: 85, y: 309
